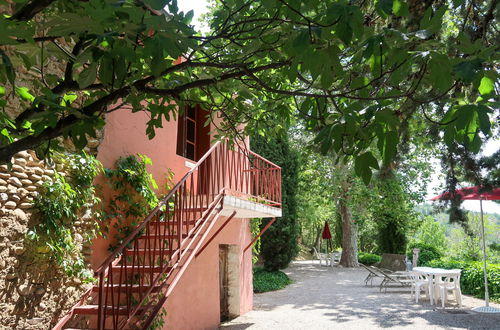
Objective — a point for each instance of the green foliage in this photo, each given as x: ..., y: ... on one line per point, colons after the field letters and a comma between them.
x: 356, y: 72
x: 393, y: 223
x: 315, y: 204
x: 61, y: 202
x: 255, y: 224
x: 431, y: 233
x: 368, y: 258
x: 134, y: 193
x: 465, y: 243
x: 159, y: 320
x: 279, y: 243
x: 427, y: 253
x: 472, y: 277
x: 379, y: 223
x: 264, y: 280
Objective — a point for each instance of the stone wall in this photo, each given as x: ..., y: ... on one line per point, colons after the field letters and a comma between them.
x: 34, y: 292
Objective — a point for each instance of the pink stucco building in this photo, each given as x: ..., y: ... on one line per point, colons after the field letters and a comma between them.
x: 191, y: 258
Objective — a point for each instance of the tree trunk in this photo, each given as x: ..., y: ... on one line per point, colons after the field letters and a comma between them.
x: 349, y: 232
x: 317, y: 239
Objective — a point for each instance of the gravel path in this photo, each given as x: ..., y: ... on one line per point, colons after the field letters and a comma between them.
x: 326, y: 298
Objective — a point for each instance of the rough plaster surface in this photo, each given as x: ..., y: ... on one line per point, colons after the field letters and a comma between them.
x: 326, y: 298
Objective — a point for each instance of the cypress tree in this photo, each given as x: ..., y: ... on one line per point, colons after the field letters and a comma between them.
x: 279, y: 243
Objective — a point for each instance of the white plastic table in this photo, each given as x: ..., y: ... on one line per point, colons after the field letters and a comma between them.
x: 433, y: 274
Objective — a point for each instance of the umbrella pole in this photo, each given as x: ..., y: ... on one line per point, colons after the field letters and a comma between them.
x: 486, y: 294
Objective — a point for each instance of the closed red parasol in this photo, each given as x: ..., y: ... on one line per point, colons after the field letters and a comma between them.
x: 476, y: 193
x: 326, y: 232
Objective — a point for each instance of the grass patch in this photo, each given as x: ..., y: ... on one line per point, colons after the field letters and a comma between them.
x: 264, y: 281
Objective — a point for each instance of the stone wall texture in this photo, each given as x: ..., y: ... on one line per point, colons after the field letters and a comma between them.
x: 34, y: 292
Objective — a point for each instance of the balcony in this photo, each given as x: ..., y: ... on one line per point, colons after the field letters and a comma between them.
x: 137, y: 278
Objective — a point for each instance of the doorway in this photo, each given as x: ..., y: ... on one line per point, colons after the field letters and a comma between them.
x: 229, y: 281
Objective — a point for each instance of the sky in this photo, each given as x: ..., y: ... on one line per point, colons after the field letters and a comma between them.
x: 200, y: 7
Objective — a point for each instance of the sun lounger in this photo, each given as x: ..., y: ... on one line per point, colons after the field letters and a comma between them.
x: 372, y: 273
x: 396, y: 279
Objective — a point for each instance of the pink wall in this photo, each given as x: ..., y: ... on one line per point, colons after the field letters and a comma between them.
x: 194, y: 303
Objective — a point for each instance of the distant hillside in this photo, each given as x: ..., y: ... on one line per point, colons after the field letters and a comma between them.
x: 443, y: 218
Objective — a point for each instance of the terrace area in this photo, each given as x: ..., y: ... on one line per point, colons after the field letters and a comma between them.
x: 336, y: 298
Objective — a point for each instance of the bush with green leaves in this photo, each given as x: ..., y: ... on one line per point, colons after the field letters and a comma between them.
x: 431, y: 233
x: 393, y: 223
x: 264, y: 280
x: 368, y: 258
x: 472, y: 277
x: 60, y: 203
x: 427, y: 253
x: 279, y: 243
x: 465, y: 241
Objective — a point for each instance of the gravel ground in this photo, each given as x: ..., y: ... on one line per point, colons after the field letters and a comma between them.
x: 326, y: 298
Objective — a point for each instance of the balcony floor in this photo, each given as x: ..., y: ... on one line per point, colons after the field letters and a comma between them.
x: 248, y: 209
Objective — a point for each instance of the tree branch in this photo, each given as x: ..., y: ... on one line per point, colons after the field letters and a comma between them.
x: 174, y: 92
x: 29, y: 10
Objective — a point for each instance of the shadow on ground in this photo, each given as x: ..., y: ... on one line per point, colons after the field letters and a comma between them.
x: 336, y: 298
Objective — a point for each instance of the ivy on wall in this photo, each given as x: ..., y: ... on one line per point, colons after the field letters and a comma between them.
x: 255, y: 230
x: 134, y: 194
x: 61, y: 202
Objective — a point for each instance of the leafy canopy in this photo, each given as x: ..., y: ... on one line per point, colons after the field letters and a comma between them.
x: 355, y: 70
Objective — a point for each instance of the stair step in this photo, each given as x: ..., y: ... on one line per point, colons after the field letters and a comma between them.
x: 165, y: 237
x: 157, y: 252
x: 140, y: 268
x: 163, y: 223
x: 124, y: 288
x: 94, y: 309
x: 86, y: 328
x: 146, y: 252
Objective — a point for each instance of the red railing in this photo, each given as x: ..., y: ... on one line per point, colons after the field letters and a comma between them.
x: 136, y: 279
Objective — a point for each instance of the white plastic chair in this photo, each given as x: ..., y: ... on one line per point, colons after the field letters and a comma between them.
x: 322, y: 257
x: 336, y: 256
x: 450, y: 283
x: 419, y: 282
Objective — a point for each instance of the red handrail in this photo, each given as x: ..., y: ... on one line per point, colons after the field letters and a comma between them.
x: 141, y: 226
x: 146, y: 266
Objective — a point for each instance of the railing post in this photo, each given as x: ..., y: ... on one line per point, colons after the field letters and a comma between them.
x: 100, y: 309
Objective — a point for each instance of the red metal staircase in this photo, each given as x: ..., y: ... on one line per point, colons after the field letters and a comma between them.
x: 135, y: 281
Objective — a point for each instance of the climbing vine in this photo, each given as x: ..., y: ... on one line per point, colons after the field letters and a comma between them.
x: 61, y: 202
x: 255, y: 230
x: 134, y: 194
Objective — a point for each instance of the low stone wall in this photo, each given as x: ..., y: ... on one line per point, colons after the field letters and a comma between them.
x: 34, y: 292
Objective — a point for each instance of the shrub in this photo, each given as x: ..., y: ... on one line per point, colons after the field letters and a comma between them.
x: 368, y: 258
x: 472, y: 278
x: 264, y: 280
x: 279, y: 243
x: 427, y: 253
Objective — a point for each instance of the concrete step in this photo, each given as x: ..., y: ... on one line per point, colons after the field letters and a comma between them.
x: 122, y: 287
x: 139, y: 268
x: 94, y: 309
x: 160, y: 237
